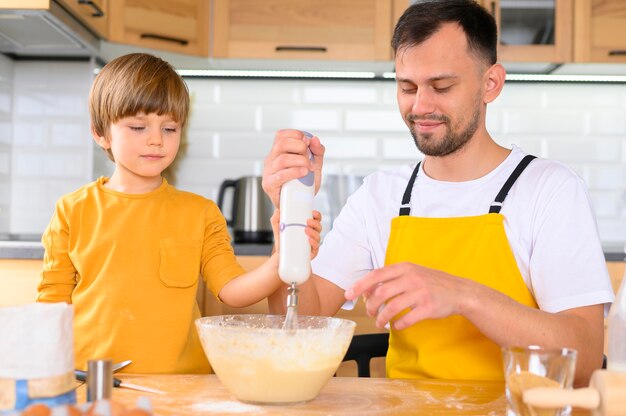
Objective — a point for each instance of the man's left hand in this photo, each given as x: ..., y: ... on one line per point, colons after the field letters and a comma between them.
x: 425, y: 293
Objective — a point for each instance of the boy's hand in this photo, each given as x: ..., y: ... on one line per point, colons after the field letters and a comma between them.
x: 313, y: 231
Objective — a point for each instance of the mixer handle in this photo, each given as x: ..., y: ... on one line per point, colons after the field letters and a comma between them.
x: 228, y: 183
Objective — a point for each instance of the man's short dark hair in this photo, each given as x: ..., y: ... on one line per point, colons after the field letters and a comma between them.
x: 421, y: 20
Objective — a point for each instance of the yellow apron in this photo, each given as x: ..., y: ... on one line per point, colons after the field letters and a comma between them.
x: 475, y: 248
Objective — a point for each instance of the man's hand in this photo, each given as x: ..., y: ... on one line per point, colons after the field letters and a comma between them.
x: 425, y: 293
x: 431, y: 294
x: 288, y: 160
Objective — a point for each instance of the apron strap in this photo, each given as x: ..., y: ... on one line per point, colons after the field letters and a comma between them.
x: 405, y: 208
x: 495, y: 207
x: 497, y: 204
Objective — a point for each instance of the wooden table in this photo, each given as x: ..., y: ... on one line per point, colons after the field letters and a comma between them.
x: 205, y: 395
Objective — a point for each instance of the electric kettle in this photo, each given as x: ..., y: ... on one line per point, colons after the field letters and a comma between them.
x: 251, y: 210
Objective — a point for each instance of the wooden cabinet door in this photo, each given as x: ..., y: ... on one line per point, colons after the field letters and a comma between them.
x: 180, y: 26
x: 303, y: 29
x: 537, y: 31
x: 600, y: 31
x: 93, y: 13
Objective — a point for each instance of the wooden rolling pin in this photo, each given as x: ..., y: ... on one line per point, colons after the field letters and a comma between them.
x: 605, y: 396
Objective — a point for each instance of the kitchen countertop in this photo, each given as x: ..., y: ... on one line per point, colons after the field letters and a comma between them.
x: 19, y: 249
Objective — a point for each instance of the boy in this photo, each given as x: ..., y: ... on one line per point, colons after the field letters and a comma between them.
x: 127, y: 251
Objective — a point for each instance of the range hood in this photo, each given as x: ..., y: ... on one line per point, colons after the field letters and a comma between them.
x: 45, y: 32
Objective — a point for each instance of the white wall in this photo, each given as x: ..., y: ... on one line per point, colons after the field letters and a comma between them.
x: 51, y: 146
x: 6, y: 138
x: 233, y: 122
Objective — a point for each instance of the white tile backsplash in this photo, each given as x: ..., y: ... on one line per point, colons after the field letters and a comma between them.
x: 5, y: 99
x: 338, y: 94
x: 200, y: 143
x: 606, y: 204
x: 68, y: 134
x: 584, y: 149
x: 374, y: 120
x: 223, y: 117
x: 6, y: 132
x: 238, y: 92
x: 233, y: 122
x: 612, y: 230
x: 345, y: 147
x: 51, y: 152
x: 607, y: 122
x: 65, y: 104
x: 606, y: 176
x: 521, y: 96
x: 212, y: 172
x: 6, y: 140
x: 30, y: 133
x: 590, y: 96
x: 315, y: 120
x: 29, y: 104
x: 5, y: 159
x: 5, y: 192
x: 243, y: 145
x: 540, y: 121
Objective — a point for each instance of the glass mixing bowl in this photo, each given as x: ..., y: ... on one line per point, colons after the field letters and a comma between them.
x: 260, y: 362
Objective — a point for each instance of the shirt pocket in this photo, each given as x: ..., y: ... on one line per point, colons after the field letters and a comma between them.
x: 180, y: 262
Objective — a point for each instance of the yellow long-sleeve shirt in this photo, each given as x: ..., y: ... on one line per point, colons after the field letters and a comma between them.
x: 130, y: 265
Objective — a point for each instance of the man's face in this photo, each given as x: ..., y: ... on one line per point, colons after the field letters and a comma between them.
x: 440, y: 91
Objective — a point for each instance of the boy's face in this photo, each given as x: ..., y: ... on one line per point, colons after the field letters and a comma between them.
x: 143, y: 145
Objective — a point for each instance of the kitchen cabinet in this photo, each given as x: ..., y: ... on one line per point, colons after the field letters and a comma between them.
x: 537, y: 31
x: 18, y: 281
x: 92, y: 13
x: 533, y: 31
x: 304, y: 29
x: 529, y: 31
x: 180, y: 26
x: 600, y: 31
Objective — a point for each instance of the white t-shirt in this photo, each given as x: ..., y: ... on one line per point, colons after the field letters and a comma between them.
x: 549, y: 223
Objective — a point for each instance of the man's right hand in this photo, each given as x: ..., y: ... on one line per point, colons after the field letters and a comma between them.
x: 288, y: 160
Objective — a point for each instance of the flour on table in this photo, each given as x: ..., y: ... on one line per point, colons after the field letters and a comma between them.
x: 224, y: 406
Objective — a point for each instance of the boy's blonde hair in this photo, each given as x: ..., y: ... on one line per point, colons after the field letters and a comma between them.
x: 132, y: 84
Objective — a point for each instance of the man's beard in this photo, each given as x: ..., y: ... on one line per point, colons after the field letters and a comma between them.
x: 452, y: 141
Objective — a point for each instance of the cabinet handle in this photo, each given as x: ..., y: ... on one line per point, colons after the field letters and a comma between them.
x: 617, y: 52
x: 493, y: 9
x: 300, y: 49
x: 97, y: 11
x: 183, y: 42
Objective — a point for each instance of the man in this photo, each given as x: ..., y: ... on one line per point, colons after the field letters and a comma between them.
x: 482, y: 246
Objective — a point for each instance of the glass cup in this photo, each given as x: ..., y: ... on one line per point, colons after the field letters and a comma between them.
x: 528, y: 367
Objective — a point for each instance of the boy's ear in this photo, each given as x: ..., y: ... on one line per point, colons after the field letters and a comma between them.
x: 101, y: 140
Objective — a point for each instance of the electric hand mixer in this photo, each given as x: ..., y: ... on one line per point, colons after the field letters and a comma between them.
x: 294, y: 266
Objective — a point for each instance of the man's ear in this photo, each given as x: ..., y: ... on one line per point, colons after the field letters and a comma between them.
x: 102, y: 141
x: 494, y: 81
